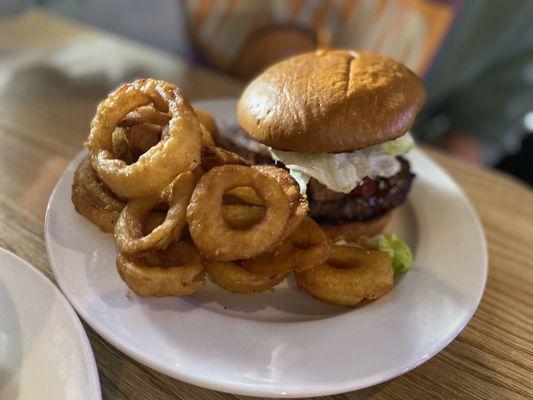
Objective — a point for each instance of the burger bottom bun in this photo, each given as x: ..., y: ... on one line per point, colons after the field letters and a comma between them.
x: 352, y: 231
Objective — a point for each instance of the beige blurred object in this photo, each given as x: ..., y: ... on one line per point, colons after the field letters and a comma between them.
x: 463, y: 146
x: 268, y: 46
x: 52, y: 75
x: 242, y: 37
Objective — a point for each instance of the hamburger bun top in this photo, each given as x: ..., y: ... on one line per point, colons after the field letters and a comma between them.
x: 331, y: 101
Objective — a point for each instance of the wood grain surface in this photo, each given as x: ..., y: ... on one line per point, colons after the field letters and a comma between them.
x: 52, y: 74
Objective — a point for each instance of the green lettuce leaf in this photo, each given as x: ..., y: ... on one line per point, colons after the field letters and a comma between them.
x: 399, y: 252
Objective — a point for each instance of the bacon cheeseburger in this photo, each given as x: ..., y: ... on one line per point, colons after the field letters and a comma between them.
x: 338, y: 121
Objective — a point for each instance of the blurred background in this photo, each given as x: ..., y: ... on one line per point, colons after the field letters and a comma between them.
x: 475, y: 56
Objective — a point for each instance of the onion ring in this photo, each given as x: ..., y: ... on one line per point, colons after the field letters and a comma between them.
x: 242, y: 216
x: 176, y: 271
x: 137, y: 132
x: 130, y: 143
x: 152, y: 221
x: 305, y: 248
x: 277, y: 261
x: 311, y: 245
x: 120, y: 146
x: 145, y: 114
x: 93, y: 200
x: 349, y: 276
x: 178, y: 151
x: 236, y: 279
x: 242, y: 195
x: 213, y: 156
x: 212, y: 235
x: 129, y: 235
x: 142, y: 137
x: 207, y: 121
x: 207, y: 139
x: 298, y: 204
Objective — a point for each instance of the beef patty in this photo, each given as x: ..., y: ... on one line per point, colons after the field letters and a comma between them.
x: 372, y: 198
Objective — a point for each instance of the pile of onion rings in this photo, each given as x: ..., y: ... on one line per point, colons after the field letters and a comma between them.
x: 181, y: 208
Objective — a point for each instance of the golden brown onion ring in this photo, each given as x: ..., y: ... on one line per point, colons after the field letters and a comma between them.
x: 349, y: 276
x: 207, y: 139
x: 137, y: 133
x: 306, y: 247
x: 236, y: 279
x: 129, y: 143
x: 212, y: 235
x: 207, y: 121
x: 129, y: 235
x: 142, y: 137
x: 277, y: 261
x: 120, y: 146
x: 176, y: 271
x: 298, y: 204
x: 93, y: 200
x: 152, y: 221
x: 145, y: 114
x: 242, y: 217
x: 178, y: 151
x: 310, y: 243
x: 217, y: 156
x: 242, y: 195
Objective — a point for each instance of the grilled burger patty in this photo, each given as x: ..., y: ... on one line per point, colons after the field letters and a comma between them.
x: 372, y: 198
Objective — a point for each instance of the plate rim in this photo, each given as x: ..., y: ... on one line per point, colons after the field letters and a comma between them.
x: 94, y: 378
x: 267, y: 391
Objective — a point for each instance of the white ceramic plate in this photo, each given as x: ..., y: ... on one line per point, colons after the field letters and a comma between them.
x: 284, y: 343
x: 44, y: 352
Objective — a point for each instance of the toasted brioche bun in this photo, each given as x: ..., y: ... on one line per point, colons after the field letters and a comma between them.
x: 354, y: 230
x: 331, y: 101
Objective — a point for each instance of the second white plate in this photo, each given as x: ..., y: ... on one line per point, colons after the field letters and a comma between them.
x: 44, y: 351
x: 284, y: 343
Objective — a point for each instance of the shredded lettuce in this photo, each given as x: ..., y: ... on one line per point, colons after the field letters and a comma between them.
x: 396, y: 146
x: 342, y: 172
x: 399, y: 252
x: 302, y: 179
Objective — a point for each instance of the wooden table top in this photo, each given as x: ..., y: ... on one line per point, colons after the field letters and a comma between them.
x: 52, y: 74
